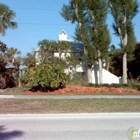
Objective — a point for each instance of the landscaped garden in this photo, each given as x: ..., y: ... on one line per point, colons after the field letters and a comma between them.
x: 85, y: 90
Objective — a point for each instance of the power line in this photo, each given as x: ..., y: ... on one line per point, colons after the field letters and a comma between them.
x: 57, y: 24
x: 41, y: 8
x: 35, y: 9
x: 45, y: 24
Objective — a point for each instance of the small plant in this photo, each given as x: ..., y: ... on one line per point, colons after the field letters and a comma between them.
x: 78, y: 79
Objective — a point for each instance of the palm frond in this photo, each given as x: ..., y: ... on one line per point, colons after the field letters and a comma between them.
x: 115, y: 28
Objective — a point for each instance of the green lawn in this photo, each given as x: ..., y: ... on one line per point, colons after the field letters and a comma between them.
x: 68, y: 106
x: 12, y: 91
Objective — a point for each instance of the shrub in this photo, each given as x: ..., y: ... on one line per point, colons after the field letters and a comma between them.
x: 2, y: 83
x: 132, y: 85
x: 45, y: 76
x: 77, y: 79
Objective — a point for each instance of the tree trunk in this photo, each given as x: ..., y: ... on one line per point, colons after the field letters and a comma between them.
x: 89, y: 74
x: 60, y: 53
x: 100, y: 67
x: 19, y: 83
x: 108, y: 65
x: 125, y: 68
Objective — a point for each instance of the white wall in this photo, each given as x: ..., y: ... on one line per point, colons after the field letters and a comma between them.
x: 62, y: 36
x: 80, y: 67
x: 108, y: 78
x: 63, y: 55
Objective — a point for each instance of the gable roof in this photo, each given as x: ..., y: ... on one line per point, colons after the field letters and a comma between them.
x: 62, y: 32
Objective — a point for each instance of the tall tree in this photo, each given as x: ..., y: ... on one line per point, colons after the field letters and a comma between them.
x: 123, y: 11
x: 83, y: 34
x: 46, y: 49
x: 14, y: 58
x: 29, y: 60
x: 131, y: 42
x: 7, y: 55
x: 115, y: 61
x: 62, y: 47
x: 134, y: 65
x: 108, y: 56
x: 6, y: 17
x: 97, y: 11
x: 87, y: 15
x: 11, y: 53
x: 75, y: 12
x: 3, y: 50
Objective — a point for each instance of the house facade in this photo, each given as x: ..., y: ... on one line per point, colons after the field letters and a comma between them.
x: 77, y: 51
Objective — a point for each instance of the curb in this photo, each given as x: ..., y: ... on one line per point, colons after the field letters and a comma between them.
x: 69, y: 96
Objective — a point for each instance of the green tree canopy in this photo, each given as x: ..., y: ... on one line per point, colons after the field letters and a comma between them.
x: 6, y: 18
x: 123, y: 13
x: 91, y: 29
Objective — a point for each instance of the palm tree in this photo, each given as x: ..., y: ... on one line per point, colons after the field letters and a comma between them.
x: 14, y: 58
x: 29, y: 60
x: 47, y: 49
x: 6, y: 17
x: 62, y: 47
x: 17, y: 64
x: 11, y: 52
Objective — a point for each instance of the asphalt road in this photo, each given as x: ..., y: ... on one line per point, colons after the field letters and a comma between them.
x: 68, y: 126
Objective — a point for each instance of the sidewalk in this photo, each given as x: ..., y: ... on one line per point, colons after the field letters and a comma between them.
x: 69, y: 96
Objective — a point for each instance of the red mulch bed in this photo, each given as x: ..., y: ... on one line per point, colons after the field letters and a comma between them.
x: 73, y: 89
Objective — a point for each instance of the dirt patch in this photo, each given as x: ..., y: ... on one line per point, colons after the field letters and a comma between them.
x: 2, y: 90
x: 73, y: 89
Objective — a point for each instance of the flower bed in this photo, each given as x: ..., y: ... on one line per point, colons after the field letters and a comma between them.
x: 73, y: 89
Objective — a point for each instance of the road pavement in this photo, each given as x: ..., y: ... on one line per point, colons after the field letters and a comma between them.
x: 102, y: 126
x: 69, y: 96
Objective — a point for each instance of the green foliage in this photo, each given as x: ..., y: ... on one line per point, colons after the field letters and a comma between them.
x: 134, y: 65
x: 129, y: 85
x: 116, y: 62
x: 10, y: 78
x: 78, y: 79
x: 47, y: 48
x: 6, y: 18
x: 131, y: 42
x: 123, y: 13
x: 7, y: 57
x: 29, y: 60
x: 45, y: 76
x: 70, y: 13
x: 91, y: 28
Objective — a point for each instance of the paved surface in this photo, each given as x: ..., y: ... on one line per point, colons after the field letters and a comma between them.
x: 70, y: 96
x: 68, y: 126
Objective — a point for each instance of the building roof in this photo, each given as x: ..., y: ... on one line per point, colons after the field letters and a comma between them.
x: 76, y: 46
x: 62, y: 32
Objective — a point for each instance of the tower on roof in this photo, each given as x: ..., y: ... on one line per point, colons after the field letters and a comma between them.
x: 62, y: 36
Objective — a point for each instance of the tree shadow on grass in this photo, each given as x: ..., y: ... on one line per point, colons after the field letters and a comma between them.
x: 4, y: 135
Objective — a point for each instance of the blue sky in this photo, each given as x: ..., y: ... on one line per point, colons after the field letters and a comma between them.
x: 40, y: 19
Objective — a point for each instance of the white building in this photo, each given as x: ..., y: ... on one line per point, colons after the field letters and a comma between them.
x: 77, y: 51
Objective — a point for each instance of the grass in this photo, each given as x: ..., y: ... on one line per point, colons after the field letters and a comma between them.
x: 22, y: 106
x: 13, y: 91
